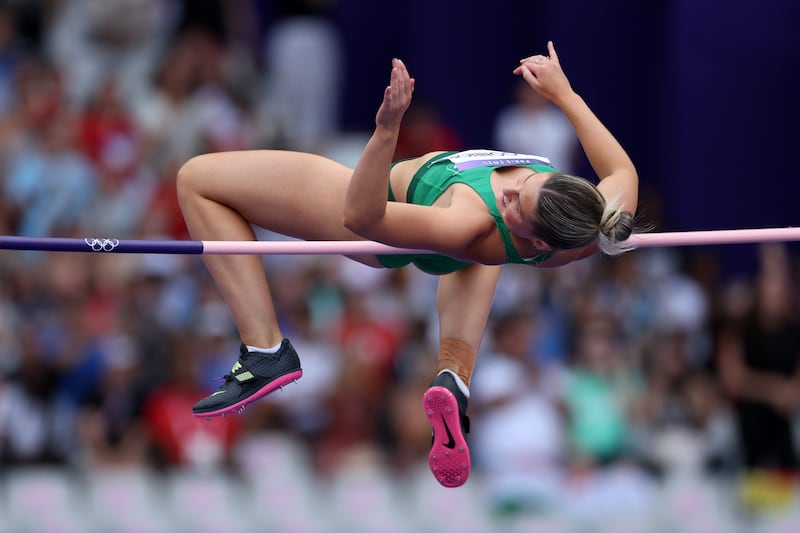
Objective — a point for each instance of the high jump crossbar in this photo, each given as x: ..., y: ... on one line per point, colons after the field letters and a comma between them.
x: 297, y: 247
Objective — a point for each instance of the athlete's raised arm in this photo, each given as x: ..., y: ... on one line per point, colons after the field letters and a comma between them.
x: 367, y: 211
x: 618, y: 177
x: 366, y: 200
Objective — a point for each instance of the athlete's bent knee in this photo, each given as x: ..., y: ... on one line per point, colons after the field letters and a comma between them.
x: 187, y: 180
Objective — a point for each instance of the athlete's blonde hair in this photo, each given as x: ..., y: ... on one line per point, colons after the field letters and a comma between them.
x: 572, y: 213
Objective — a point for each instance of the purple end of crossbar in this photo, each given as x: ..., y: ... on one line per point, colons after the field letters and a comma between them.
x: 101, y: 245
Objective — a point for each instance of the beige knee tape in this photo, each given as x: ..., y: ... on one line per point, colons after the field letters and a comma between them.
x: 458, y: 357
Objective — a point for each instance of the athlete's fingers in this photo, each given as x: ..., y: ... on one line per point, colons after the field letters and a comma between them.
x: 551, y: 49
x: 529, y: 76
x: 538, y: 58
x: 405, y: 82
x: 403, y: 70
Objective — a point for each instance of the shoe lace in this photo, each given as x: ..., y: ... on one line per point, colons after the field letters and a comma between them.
x: 227, y: 377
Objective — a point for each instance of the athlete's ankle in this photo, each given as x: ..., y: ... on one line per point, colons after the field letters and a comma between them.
x: 458, y: 357
x: 462, y: 386
x: 258, y: 349
x: 262, y: 341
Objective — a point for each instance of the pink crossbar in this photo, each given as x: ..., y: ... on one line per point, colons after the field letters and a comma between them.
x: 643, y: 240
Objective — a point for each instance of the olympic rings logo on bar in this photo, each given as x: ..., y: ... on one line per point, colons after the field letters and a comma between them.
x: 101, y: 245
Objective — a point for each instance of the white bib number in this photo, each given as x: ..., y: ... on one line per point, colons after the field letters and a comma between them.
x: 491, y: 158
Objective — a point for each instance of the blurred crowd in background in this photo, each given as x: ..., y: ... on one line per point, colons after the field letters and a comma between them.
x: 645, y: 389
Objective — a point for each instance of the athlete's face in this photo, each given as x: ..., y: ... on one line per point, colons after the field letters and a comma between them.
x: 517, y: 203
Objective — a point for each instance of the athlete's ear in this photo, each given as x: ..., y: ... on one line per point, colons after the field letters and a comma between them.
x: 540, y: 246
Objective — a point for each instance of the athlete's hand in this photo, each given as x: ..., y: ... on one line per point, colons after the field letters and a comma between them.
x: 544, y: 75
x: 396, y: 98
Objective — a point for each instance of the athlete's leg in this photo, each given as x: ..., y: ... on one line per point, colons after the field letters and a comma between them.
x: 464, y: 301
x: 296, y: 194
x: 221, y: 195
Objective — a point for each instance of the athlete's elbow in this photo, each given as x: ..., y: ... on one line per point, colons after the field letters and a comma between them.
x: 359, y: 222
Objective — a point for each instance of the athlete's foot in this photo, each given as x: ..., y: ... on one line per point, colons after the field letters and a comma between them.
x: 446, y: 407
x: 253, y: 376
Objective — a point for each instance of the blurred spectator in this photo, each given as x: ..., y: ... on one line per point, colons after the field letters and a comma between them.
x: 650, y: 293
x: 598, y: 394
x: 50, y: 184
x: 219, y: 107
x: 424, y: 130
x: 190, y: 108
x: 407, y: 432
x: 678, y: 304
x: 36, y: 424
x: 532, y: 125
x: 31, y: 20
x: 126, y: 184
x: 759, y: 361
x: 12, y: 52
x: 109, y: 425
x: 365, y: 336
x: 519, y: 437
x: 9, y: 324
x: 236, y: 23
x: 679, y: 418
x: 178, y: 438
x: 104, y: 121
x: 304, y: 59
x: 124, y: 191
x: 369, y: 347
x: 165, y: 219
x: 37, y: 101
x: 626, y: 292
x: 119, y: 39
x: 213, y: 327
x: 604, y: 480
x: 163, y: 112
x: 306, y: 406
x: 155, y: 301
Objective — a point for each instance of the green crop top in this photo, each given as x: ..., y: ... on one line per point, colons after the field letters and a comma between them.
x: 472, y: 168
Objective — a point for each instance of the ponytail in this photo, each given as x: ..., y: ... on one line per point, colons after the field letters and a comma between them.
x: 616, y: 226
